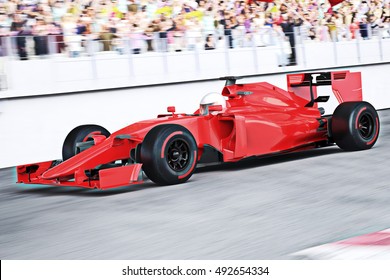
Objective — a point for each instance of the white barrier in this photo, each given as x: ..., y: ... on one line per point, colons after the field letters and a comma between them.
x: 109, y: 70
x: 33, y: 129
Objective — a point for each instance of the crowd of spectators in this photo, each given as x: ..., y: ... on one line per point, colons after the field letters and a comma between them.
x: 40, y: 27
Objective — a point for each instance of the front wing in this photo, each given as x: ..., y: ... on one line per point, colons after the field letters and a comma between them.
x: 105, y: 179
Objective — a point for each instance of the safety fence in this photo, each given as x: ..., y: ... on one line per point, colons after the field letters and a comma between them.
x: 31, y: 46
x: 34, y: 65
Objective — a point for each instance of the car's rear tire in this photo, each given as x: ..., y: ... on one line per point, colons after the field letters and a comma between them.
x: 79, y: 134
x: 169, y: 154
x: 355, y: 126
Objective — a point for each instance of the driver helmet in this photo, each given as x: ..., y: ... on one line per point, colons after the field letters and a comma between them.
x: 212, y: 98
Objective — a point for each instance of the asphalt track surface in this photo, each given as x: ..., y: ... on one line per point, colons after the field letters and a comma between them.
x: 257, y: 209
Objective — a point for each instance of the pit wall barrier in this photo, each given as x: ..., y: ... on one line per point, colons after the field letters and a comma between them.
x: 33, y: 129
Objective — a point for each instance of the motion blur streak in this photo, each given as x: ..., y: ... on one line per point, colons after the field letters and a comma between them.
x: 257, y: 209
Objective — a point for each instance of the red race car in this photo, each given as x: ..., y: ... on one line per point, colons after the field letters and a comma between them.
x: 245, y: 120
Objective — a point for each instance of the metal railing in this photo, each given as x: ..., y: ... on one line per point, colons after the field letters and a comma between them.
x: 30, y: 46
x: 264, y: 50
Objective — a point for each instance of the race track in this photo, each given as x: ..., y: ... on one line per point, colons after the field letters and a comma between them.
x: 258, y: 209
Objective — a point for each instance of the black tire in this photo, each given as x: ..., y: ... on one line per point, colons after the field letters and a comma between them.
x: 169, y: 154
x: 80, y: 134
x: 355, y: 126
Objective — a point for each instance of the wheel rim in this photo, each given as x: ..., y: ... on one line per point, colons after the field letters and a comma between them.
x: 178, y: 155
x: 366, y: 126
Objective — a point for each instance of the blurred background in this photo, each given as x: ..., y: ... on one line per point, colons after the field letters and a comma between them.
x: 38, y: 28
x: 122, y: 43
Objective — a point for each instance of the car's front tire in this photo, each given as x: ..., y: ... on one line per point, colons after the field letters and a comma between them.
x: 79, y: 134
x: 355, y: 126
x: 169, y: 154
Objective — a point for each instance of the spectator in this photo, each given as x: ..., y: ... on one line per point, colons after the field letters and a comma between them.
x: 71, y: 39
x: 179, y: 34
x: 54, y: 30
x: 210, y: 44
x: 132, y: 7
x: 136, y: 37
x: 17, y: 22
x: 354, y: 28
x: 149, y: 35
x: 40, y: 32
x: 21, y: 42
x: 58, y: 10
x: 164, y: 26
x: 287, y: 26
x: 229, y: 24
x: 106, y: 37
x: 208, y: 21
x: 180, y: 24
x: 332, y: 28
x: 385, y: 28
x: 193, y: 32
x: 363, y: 27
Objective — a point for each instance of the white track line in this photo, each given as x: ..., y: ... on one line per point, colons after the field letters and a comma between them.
x: 375, y: 246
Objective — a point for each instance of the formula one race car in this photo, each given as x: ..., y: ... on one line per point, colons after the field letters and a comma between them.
x: 245, y: 120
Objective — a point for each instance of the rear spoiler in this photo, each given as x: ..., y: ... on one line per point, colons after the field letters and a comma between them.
x: 346, y: 85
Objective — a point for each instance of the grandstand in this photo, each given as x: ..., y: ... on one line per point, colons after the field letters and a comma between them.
x: 31, y: 28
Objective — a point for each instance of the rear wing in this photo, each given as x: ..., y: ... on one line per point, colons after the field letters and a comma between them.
x: 346, y: 85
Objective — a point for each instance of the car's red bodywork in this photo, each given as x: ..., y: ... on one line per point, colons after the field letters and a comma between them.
x: 260, y: 119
